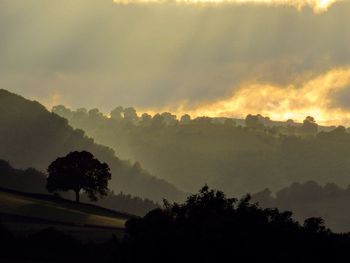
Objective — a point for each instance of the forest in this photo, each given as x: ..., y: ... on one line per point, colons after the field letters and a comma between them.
x: 237, y: 156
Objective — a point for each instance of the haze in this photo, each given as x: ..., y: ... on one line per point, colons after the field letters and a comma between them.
x: 216, y: 60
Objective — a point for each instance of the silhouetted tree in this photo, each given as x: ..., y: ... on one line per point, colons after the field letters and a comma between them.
x: 315, y: 225
x: 130, y: 115
x: 62, y: 111
x: 146, y: 120
x: 117, y: 113
x: 209, y: 227
x: 309, y: 125
x: 204, y: 120
x: 185, y: 119
x: 169, y: 119
x: 254, y: 121
x: 158, y: 121
x: 79, y: 171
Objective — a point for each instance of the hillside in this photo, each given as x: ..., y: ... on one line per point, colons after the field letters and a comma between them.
x: 60, y: 211
x: 311, y: 199
x: 25, y: 214
x: 236, y: 157
x: 31, y: 136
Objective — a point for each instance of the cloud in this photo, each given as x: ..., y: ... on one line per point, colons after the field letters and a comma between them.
x: 318, y: 6
x: 314, y: 97
x: 94, y: 53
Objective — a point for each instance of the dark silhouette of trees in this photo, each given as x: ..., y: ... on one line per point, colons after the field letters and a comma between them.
x: 7, y: 242
x: 79, y: 171
x: 169, y: 119
x: 145, y: 120
x: 209, y: 227
x: 254, y: 122
x: 185, y: 119
x: 117, y: 113
x: 309, y: 126
x: 130, y: 115
x: 158, y: 121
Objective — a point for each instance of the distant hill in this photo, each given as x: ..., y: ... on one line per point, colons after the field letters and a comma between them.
x: 233, y: 155
x: 31, y: 136
x: 28, y: 180
x: 308, y: 199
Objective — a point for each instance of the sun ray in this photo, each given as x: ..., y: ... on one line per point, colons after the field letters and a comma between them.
x: 318, y: 6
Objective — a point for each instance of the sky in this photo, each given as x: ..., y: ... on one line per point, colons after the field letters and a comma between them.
x: 280, y: 58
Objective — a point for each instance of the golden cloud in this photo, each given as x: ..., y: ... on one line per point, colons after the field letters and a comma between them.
x: 318, y: 6
x: 314, y: 97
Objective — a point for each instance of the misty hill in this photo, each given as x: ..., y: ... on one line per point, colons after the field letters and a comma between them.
x: 308, y: 199
x: 31, y: 136
x: 30, y: 180
x: 225, y: 155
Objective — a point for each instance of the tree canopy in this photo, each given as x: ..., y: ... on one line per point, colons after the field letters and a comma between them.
x: 79, y: 171
x: 209, y: 227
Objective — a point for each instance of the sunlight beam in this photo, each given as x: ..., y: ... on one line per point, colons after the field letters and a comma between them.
x: 318, y: 6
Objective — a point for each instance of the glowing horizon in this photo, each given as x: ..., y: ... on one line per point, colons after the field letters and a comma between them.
x: 318, y: 6
x: 280, y: 103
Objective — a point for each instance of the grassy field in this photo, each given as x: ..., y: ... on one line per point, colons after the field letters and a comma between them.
x: 54, y: 210
x: 25, y: 214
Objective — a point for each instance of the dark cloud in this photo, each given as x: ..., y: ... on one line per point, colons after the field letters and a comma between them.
x: 98, y: 54
x: 342, y: 99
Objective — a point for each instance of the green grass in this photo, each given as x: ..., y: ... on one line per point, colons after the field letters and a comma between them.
x: 61, y: 211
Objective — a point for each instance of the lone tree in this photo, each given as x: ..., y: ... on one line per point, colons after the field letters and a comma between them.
x: 79, y: 171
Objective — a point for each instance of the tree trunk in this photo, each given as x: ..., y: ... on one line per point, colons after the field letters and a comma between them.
x: 77, y: 196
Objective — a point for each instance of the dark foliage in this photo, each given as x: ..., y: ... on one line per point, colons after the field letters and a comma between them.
x: 209, y: 227
x: 7, y: 242
x: 79, y: 171
x: 53, y: 244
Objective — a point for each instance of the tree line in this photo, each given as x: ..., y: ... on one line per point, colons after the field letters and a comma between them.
x: 207, y: 227
x: 237, y: 156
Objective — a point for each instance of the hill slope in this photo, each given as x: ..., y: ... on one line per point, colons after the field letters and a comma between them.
x: 238, y: 159
x: 31, y: 136
x: 26, y: 214
x: 45, y: 208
